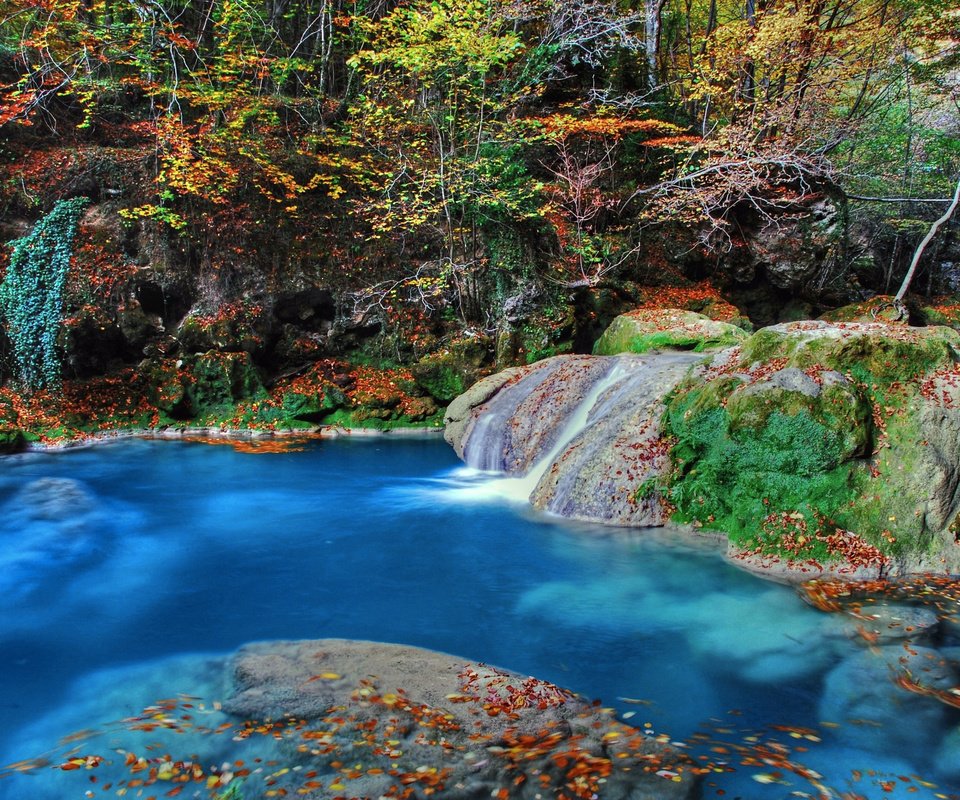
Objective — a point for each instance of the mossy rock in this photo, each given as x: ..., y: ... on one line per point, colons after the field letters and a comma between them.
x: 810, y: 436
x: 882, y: 308
x: 235, y: 327
x: 656, y: 329
x: 312, y: 405
x: 946, y: 311
x: 379, y: 420
x: 12, y: 440
x: 208, y: 384
x: 165, y: 384
x: 871, y: 350
x: 91, y: 341
x: 841, y: 410
x: 703, y: 298
x: 545, y: 335
x: 219, y: 380
x: 11, y: 436
x: 448, y: 373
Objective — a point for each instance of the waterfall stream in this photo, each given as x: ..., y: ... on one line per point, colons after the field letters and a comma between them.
x: 618, y: 396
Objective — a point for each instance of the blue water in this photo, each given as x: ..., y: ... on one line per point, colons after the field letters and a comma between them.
x: 178, y: 548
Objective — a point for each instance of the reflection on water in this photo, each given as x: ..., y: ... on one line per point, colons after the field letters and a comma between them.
x: 119, y: 563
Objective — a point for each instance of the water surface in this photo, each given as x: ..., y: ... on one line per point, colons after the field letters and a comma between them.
x: 175, y: 548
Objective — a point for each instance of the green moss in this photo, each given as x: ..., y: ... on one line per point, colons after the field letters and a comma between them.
x: 442, y: 381
x: 899, y: 354
x: 667, y: 340
x: 11, y: 440
x: 736, y: 480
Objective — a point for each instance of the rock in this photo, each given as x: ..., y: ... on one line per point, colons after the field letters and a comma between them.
x: 481, y: 726
x: 461, y: 415
x: 137, y: 327
x: 657, y: 329
x: 98, y: 701
x: 204, y: 384
x: 782, y: 642
x: 887, y: 623
x: 614, y: 470
x: 54, y: 499
x: 91, y: 340
x: 312, y: 308
x: 817, y: 447
x: 792, y: 244
x: 843, y: 411
x: 882, y: 308
x: 219, y: 380
x: 826, y: 443
x: 875, y: 713
x: 447, y: 373
x: 535, y: 399
x: 232, y: 327
x: 11, y: 436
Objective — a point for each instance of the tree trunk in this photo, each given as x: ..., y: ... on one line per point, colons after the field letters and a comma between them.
x: 653, y: 14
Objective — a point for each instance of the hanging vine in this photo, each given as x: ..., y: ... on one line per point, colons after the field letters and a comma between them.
x: 31, y: 294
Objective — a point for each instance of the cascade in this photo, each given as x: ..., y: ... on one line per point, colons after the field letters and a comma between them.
x: 538, y: 423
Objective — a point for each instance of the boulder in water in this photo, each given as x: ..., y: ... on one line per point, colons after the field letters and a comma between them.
x: 428, y: 719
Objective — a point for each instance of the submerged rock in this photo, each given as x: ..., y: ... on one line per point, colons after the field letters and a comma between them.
x: 947, y: 760
x: 888, y: 623
x: 875, y: 713
x: 54, y: 499
x: 340, y: 718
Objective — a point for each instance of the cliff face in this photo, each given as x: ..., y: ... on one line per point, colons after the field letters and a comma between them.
x: 809, y: 444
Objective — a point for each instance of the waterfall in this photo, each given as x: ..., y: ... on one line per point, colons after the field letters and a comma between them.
x: 553, y: 434
x: 621, y: 369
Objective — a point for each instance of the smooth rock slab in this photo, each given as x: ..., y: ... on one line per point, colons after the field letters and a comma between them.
x: 413, y: 717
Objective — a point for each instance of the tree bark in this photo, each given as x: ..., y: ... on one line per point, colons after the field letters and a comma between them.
x: 653, y: 15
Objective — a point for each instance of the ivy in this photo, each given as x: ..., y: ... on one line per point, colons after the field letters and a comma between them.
x: 31, y: 294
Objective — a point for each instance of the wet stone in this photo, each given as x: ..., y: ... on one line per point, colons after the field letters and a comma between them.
x: 888, y: 623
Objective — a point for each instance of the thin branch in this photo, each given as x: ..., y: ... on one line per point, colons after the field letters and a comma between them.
x: 923, y: 244
x: 898, y: 199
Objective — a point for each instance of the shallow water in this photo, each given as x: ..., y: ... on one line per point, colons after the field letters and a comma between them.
x: 178, y: 548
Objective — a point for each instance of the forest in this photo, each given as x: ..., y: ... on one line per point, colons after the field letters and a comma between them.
x: 450, y: 187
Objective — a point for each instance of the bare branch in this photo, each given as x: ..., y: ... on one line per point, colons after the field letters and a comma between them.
x: 925, y: 241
